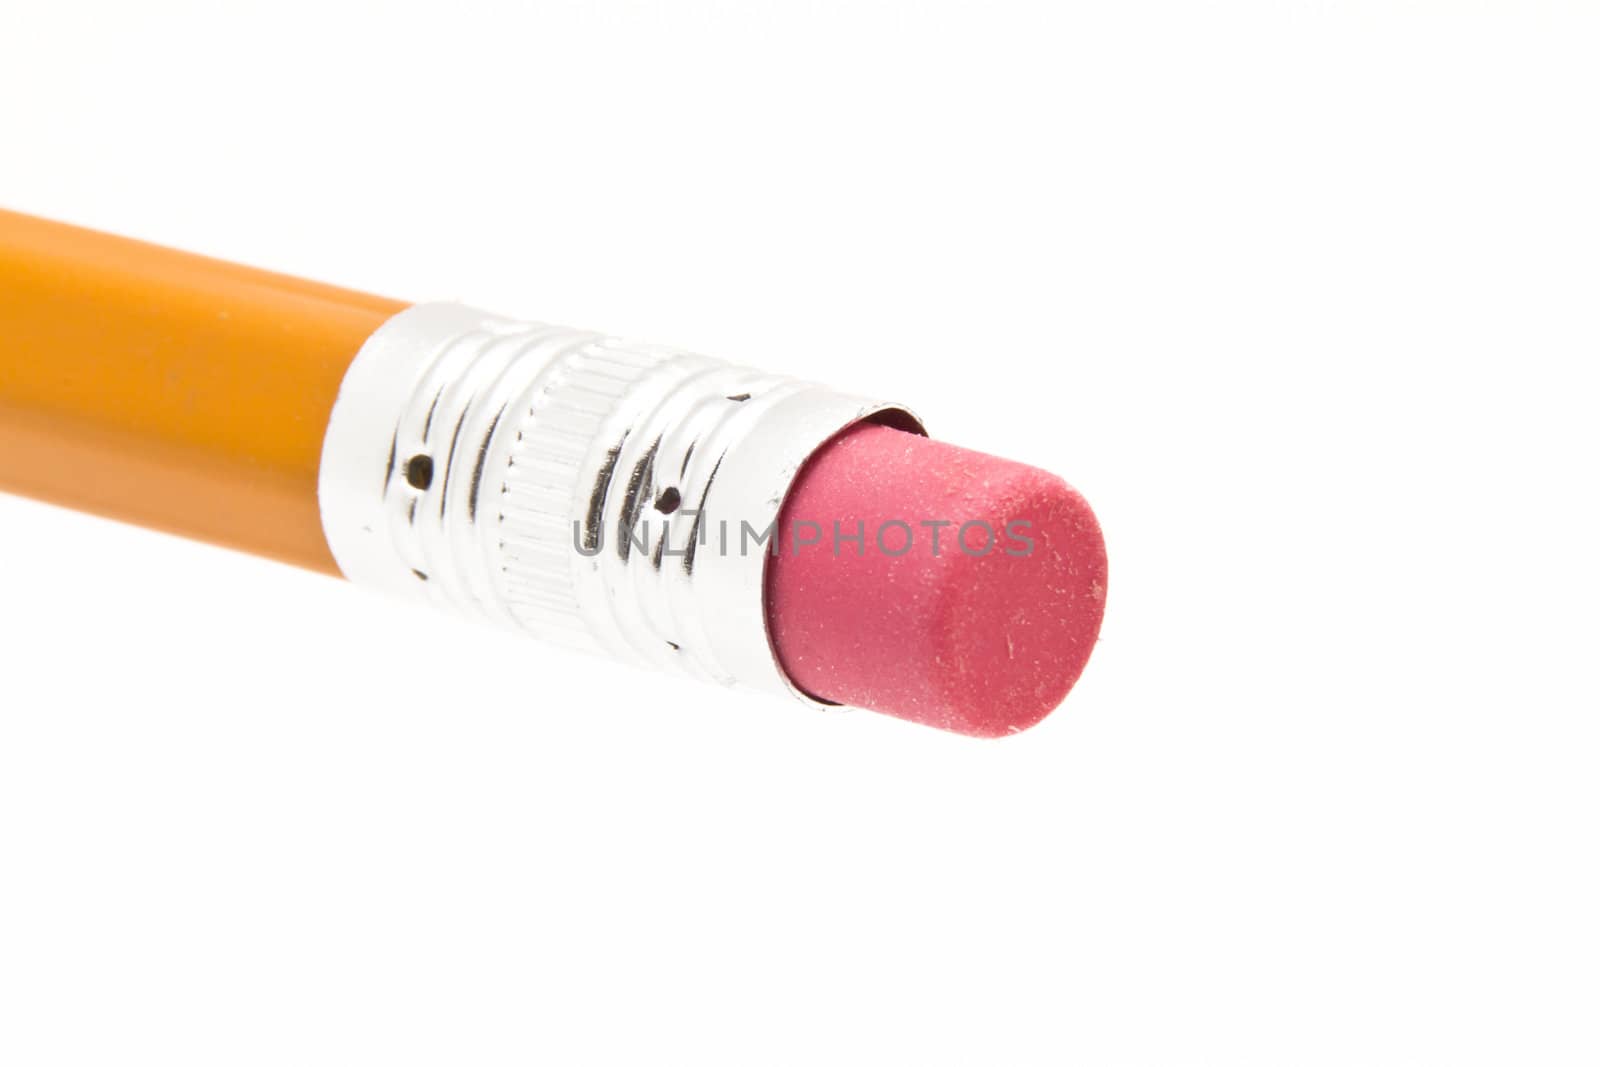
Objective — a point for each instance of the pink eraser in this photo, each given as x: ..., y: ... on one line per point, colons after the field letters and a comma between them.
x: 934, y: 583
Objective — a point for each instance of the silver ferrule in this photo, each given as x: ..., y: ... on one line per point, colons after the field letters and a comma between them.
x: 613, y: 497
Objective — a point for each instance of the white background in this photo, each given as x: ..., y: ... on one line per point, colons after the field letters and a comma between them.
x: 1301, y: 295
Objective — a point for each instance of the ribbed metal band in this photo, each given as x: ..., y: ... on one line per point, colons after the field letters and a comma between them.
x: 610, y: 496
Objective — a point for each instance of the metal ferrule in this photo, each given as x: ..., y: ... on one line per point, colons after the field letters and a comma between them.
x: 606, y: 495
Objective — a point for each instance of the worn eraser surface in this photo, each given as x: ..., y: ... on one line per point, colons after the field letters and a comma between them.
x: 934, y: 583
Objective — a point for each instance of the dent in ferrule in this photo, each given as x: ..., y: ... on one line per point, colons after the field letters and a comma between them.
x: 542, y: 424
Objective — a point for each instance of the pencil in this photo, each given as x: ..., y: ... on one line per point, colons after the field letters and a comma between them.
x: 659, y: 507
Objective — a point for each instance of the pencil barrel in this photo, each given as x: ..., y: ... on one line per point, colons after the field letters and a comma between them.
x: 171, y: 390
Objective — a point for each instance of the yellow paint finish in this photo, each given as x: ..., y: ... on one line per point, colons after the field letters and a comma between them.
x: 171, y: 390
